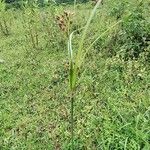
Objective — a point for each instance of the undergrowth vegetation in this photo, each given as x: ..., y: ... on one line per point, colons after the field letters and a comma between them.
x: 112, y: 94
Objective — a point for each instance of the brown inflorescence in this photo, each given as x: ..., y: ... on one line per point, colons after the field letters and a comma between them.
x: 64, y: 20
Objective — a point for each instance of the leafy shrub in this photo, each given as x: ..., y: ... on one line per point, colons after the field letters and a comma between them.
x: 135, y: 34
x: 131, y: 39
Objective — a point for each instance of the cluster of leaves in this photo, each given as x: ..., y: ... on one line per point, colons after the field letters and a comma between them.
x: 135, y: 34
x: 132, y: 38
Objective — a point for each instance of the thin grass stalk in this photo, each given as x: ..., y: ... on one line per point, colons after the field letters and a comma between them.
x: 72, y: 120
x: 6, y: 27
x: 37, y: 39
x: 32, y: 37
x: 1, y: 27
x: 75, y: 1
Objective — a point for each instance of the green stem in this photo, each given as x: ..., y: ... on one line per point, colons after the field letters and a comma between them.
x: 72, y: 120
x: 75, y: 1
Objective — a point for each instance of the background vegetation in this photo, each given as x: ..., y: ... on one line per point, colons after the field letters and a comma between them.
x: 112, y: 100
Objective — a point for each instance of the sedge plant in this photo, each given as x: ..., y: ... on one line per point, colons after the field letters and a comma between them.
x: 76, y: 62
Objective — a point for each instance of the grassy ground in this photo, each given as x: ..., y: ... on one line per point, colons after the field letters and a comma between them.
x: 112, y: 103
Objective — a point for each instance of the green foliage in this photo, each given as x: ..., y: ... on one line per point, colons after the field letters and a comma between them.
x: 135, y: 33
x: 118, y: 9
x: 111, y: 104
x: 131, y: 39
x: 2, y: 6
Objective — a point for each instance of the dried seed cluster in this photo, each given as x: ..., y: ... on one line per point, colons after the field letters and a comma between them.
x: 64, y: 20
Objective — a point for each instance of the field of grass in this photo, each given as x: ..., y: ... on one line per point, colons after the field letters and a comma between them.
x: 112, y: 97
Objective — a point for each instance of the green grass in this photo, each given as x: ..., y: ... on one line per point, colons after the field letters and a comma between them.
x: 112, y: 103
